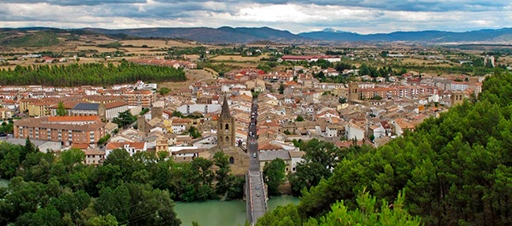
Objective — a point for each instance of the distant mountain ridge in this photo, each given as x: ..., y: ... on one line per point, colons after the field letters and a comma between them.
x: 231, y: 35
x: 246, y: 35
x: 207, y: 35
x: 486, y: 35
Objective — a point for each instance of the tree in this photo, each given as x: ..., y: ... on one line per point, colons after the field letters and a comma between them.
x: 367, y: 213
x: 194, y: 132
x: 320, y: 159
x: 124, y: 119
x: 228, y: 186
x: 61, y: 110
x: 101, y: 220
x: 299, y: 118
x: 282, y: 215
x: 281, y: 88
x: 177, y: 114
x: 274, y: 174
x: 114, y: 201
x: 104, y: 139
x: 164, y: 91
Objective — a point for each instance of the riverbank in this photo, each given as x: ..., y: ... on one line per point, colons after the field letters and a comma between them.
x: 228, y: 213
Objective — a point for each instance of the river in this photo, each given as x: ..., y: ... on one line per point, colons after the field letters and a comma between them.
x: 217, y: 213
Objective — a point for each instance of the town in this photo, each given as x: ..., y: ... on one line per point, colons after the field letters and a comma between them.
x: 294, y: 105
x: 256, y: 115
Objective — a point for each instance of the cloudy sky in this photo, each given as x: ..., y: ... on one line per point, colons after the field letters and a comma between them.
x: 362, y: 16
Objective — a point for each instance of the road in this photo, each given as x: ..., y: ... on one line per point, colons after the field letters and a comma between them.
x: 256, y: 197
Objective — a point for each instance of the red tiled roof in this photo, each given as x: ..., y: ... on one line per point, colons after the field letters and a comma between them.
x: 115, y: 145
x: 115, y: 104
x: 73, y: 118
x: 81, y: 146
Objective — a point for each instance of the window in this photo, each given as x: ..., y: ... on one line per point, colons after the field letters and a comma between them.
x: 231, y: 160
x: 226, y: 126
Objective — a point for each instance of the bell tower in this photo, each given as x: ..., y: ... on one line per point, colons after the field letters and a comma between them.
x: 226, y: 127
x: 353, y: 94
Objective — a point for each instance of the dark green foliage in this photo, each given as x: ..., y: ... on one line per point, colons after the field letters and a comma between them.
x: 124, y: 119
x: 274, y: 175
x: 366, y: 213
x: 456, y: 169
x: 164, y: 91
x: 194, y: 132
x: 61, y: 111
x: 7, y: 127
x: 104, y: 139
x: 282, y: 215
x: 89, y: 74
x: 281, y: 88
x: 58, y: 189
x: 228, y: 186
x: 320, y: 158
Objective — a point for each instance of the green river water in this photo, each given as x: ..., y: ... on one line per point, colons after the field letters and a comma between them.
x: 217, y: 213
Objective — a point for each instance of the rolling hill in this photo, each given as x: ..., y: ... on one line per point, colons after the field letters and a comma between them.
x: 39, y: 36
x: 487, y: 35
x: 207, y: 35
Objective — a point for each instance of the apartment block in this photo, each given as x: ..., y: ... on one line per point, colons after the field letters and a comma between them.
x: 65, y: 129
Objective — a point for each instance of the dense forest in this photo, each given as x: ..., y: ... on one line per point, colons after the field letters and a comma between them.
x: 46, y: 189
x: 89, y: 74
x: 455, y: 169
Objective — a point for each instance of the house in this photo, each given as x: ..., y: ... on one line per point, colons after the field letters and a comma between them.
x: 377, y: 131
x: 131, y: 147
x: 187, y: 155
x: 113, y: 109
x: 401, y: 125
x: 296, y: 158
x: 5, y: 113
x: 265, y: 157
x: 94, y: 157
x: 353, y: 131
x: 85, y: 109
x: 43, y: 145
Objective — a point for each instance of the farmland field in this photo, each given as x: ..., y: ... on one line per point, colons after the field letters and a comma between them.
x: 236, y: 58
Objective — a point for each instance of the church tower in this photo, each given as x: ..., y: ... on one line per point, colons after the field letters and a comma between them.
x: 353, y: 94
x: 226, y: 127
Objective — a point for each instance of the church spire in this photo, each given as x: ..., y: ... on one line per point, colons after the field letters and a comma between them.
x: 225, y: 109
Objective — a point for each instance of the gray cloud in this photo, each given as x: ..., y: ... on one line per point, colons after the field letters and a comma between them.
x: 364, y: 16
x: 392, y: 5
x: 76, y: 2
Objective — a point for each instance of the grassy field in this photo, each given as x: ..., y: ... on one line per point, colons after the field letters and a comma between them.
x: 193, y: 76
x: 157, y: 43
x: 423, y: 62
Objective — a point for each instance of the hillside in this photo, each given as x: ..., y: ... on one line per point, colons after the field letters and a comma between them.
x: 487, y: 35
x: 207, y: 35
x: 38, y: 37
x: 28, y: 39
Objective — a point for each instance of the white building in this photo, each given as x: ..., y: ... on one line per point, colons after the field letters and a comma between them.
x: 353, y: 131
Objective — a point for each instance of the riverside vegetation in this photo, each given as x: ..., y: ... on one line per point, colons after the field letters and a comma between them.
x: 46, y: 189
